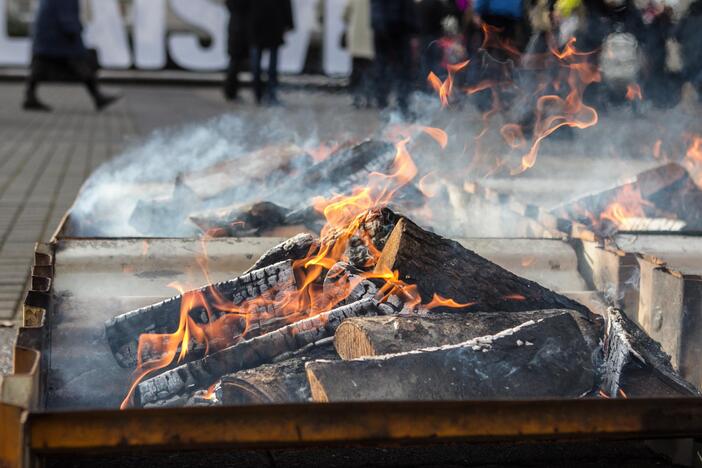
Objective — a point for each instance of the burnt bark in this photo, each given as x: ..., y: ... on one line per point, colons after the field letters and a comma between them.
x: 668, y: 189
x: 282, y: 382
x: 249, y: 220
x: 441, y: 266
x: 635, y: 365
x: 547, y: 358
x: 248, y: 354
x: 295, y: 248
x: 123, y: 331
x: 360, y: 337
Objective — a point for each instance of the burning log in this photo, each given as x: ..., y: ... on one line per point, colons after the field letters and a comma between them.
x: 543, y: 358
x: 666, y: 191
x: 443, y: 267
x: 635, y: 365
x: 361, y: 337
x: 282, y: 382
x: 295, y: 248
x: 123, y: 331
x: 248, y: 354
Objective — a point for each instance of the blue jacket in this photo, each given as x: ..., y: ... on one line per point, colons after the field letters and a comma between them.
x: 504, y: 8
x: 57, y: 29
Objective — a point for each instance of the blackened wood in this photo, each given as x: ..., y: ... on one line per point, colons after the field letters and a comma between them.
x: 296, y: 248
x: 360, y: 337
x: 441, y: 266
x: 282, y: 382
x: 635, y: 364
x: 249, y: 220
x: 547, y: 358
x: 123, y: 331
x: 248, y: 354
x: 668, y: 191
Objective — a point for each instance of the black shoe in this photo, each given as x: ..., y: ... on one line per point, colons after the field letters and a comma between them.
x: 103, y: 102
x: 35, y: 105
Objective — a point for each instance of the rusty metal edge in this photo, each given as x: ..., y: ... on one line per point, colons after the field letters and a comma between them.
x: 367, y: 423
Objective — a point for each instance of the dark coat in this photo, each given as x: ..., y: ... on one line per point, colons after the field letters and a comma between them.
x: 238, y: 31
x: 394, y: 17
x: 57, y: 29
x: 268, y: 21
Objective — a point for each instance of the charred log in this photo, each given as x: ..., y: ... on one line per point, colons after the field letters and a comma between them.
x: 543, y: 358
x: 123, y: 331
x: 361, y: 337
x: 282, y: 382
x: 635, y: 365
x: 248, y: 354
x: 444, y: 267
x: 668, y: 191
x: 295, y: 248
x: 235, y: 221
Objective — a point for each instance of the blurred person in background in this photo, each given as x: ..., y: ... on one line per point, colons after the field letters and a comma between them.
x: 268, y: 21
x: 689, y: 34
x: 238, y: 46
x: 58, y: 53
x: 394, y: 25
x: 431, y: 14
x: 359, y: 43
x: 506, y: 17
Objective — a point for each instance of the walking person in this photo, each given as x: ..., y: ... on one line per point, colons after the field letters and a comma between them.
x: 394, y: 24
x: 359, y: 42
x: 238, y: 46
x: 58, y: 52
x: 268, y: 21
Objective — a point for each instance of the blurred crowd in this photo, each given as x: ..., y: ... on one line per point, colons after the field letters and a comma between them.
x: 395, y: 44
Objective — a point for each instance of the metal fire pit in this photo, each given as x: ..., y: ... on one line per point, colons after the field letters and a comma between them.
x: 61, y: 398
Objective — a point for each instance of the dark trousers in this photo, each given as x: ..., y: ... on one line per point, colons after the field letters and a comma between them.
x: 360, y: 82
x: 73, y: 69
x: 269, y: 90
x: 393, y: 68
x: 231, y: 82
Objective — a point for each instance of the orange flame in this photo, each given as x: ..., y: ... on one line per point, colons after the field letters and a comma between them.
x: 554, y: 112
x: 439, y: 301
x: 633, y: 92
x: 628, y: 204
x: 445, y: 88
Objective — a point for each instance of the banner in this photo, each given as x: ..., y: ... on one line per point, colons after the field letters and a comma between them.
x: 152, y: 43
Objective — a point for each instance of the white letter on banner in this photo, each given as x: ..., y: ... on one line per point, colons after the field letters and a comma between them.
x: 106, y: 32
x: 297, y: 41
x: 13, y: 51
x: 149, y: 20
x: 337, y: 61
x: 185, y: 48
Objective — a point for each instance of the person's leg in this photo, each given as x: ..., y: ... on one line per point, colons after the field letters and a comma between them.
x: 36, y: 74
x: 403, y: 72
x: 87, y: 75
x: 256, y: 53
x: 382, y: 80
x: 231, y: 82
x: 273, y: 75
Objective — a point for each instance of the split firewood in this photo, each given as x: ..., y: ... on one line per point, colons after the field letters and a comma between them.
x: 439, y: 266
x: 282, y: 382
x: 635, y: 365
x: 123, y: 331
x: 546, y: 358
x: 666, y: 191
x: 241, y: 221
x: 360, y: 337
x: 248, y: 354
